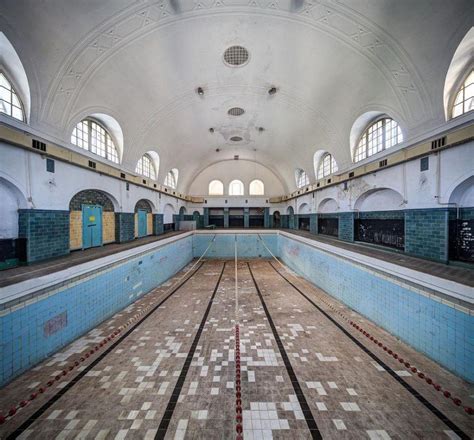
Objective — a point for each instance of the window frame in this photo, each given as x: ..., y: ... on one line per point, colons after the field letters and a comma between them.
x: 108, y: 138
x: 242, y: 186
x: 153, y: 174
x: 298, y: 173
x: 461, y: 88
x: 209, y: 187
x: 385, y: 120
x: 13, y: 91
x: 333, y: 167
x: 253, y: 193
x: 174, y: 177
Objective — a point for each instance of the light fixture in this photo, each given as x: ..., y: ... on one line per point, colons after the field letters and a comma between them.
x: 217, y: 150
x: 272, y: 90
x: 211, y: 130
x: 200, y: 91
x: 260, y: 129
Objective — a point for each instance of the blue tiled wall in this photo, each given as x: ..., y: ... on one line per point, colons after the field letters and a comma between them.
x: 124, y: 226
x: 248, y: 245
x: 23, y: 337
x: 346, y: 226
x: 426, y: 233
x: 441, y: 332
x: 158, y: 227
x: 46, y: 232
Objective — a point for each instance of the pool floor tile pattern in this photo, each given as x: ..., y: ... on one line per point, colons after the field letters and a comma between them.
x: 124, y: 396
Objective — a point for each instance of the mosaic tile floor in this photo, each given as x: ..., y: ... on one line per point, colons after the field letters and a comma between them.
x: 306, y: 372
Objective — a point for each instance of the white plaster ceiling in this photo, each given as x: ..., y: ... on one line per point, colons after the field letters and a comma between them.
x: 141, y: 62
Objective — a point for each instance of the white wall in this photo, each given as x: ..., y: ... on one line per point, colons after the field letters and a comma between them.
x: 243, y: 170
x: 410, y: 188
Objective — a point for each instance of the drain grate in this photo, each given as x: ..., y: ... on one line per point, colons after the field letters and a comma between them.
x: 236, y: 111
x: 236, y: 56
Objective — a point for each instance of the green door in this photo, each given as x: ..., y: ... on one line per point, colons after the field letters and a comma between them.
x: 91, y: 226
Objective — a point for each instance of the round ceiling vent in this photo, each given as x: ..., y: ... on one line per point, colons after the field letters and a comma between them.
x: 236, y: 111
x: 236, y: 56
x: 236, y: 139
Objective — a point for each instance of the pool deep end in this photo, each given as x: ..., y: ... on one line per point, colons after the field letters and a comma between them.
x: 38, y: 324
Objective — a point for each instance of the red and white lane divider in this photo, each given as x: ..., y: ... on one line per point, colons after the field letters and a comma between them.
x: 238, y: 389
x: 455, y: 400
x: 6, y: 415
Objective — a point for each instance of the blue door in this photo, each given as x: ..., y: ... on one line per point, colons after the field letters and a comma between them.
x: 91, y: 226
x: 142, y: 223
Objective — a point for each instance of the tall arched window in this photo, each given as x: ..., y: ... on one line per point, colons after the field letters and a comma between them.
x: 171, y: 179
x: 256, y: 188
x: 146, y: 167
x: 327, y: 166
x: 10, y: 103
x: 92, y: 136
x: 380, y: 135
x: 236, y: 188
x: 216, y: 188
x: 464, y: 101
x: 301, y: 178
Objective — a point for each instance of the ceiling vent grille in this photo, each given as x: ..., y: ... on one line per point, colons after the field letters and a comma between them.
x: 122, y: 175
x: 351, y: 174
x: 383, y: 163
x: 38, y: 145
x: 236, y: 139
x: 92, y: 164
x: 236, y: 56
x: 438, y: 143
x: 236, y: 111
x: 236, y: 157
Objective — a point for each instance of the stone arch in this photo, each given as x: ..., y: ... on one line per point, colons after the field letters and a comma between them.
x: 276, y: 219
x: 328, y: 205
x: 463, y: 193
x: 182, y: 210
x: 168, y: 212
x: 144, y: 204
x: 147, y: 206
x: 91, y: 197
x: 290, y: 210
x: 380, y: 199
x: 304, y: 208
x: 12, y: 200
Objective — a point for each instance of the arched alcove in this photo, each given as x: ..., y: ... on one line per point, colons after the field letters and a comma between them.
x: 380, y: 199
x: 328, y: 205
x: 463, y: 194
x: 304, y: 208
x: 12, y: 200
x: 168, y: 213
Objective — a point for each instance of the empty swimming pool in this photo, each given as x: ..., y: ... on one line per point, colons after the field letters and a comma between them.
x: 236, y: 340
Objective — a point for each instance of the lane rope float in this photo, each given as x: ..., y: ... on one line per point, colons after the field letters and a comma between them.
x: 134, y: 320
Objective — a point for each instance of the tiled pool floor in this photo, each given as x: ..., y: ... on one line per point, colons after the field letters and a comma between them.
x: 138, y: 389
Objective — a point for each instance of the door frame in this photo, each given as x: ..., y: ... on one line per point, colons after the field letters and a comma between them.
x: 83, y: 225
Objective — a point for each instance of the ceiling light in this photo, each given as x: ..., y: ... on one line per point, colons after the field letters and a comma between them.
x: 217, y: 150
x: 200, y: 91
x: 272, y: 90
x: 211, y: 130
x: 260, y: 129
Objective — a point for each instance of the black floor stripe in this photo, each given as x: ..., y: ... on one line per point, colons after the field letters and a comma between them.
x: 308, y: 415
x: 27, y: 423
x: 165, y: 421
x: 392, y: 373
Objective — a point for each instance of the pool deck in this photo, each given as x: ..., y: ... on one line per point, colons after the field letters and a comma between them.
x: 458, y: 274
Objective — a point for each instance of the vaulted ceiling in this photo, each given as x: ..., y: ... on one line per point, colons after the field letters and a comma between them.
x: 142, y: 62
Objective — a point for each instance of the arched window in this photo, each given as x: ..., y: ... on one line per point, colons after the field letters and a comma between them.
x: 171, y: 179
x: 301, y: 177
x: 92, y: 136
x: 380, y: 135
x: 464, y: 101
x: 236, y: 188
x: 146, y: 167
x: 327, y: 166
x: 10, y: 104
x: 256, y: 188
x: 216, y: 188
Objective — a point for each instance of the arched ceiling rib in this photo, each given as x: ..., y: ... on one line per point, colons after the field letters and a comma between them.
x: 328, y: 59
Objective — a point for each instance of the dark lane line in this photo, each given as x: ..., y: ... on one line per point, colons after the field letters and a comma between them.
x: 28, y: 422
x: 308, y: 415
x: 392, y: 373
x: 168, y: 414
